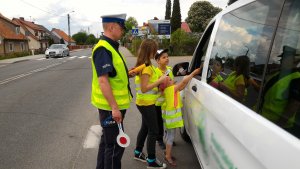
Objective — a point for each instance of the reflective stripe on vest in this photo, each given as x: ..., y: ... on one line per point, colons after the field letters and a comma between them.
x: 276, y: 100
x: 118, y: 83
x: 172, y: 115
x: 161, y: 98
x: 150, y: 97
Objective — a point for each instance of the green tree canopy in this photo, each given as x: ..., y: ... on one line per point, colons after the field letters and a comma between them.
x: 199, y: 15
x: 80, y: 37
x: 168, y: 10
x: 176, y: 16
x: 130, y: 22
x: 91, y: 39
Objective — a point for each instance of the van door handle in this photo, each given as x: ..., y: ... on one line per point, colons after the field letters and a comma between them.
x: 194, y: 88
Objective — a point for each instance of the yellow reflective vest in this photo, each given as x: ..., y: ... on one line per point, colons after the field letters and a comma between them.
x: 150, y: 97
x: 160, y: 98
x: 277, y: 98
x: 119, y: 83
x: 171, y: 108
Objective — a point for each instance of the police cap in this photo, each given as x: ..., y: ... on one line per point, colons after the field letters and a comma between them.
x: 117, y: 18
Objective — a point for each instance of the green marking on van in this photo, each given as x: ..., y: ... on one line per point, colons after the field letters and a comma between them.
x: 222, y: 153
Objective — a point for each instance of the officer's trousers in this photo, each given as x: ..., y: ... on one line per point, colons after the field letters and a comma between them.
x: 109, y: 153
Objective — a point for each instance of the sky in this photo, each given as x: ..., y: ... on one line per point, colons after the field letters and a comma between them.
x: 85, y: 14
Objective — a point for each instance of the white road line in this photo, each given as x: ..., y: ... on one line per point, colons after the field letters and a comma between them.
x: 92, y: 139
x: 81, y: 57
x: 26, y: 74
x: 72, y: 57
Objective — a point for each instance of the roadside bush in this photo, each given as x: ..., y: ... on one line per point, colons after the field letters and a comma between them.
x: 135, y: 46
x: 15, y: 55
x: 183, y: 43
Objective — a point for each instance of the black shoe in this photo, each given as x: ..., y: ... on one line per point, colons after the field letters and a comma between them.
x: 174, y: 143
x: 161, y: 144
x: 140, y: 157
x: 156, y: 164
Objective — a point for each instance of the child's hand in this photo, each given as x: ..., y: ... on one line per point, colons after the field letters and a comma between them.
x: 131, y: 73
x: 162, y: 78
x: 196, y: 71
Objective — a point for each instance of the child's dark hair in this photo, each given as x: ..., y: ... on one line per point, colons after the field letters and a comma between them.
x: 242, y: 67
x: 220, y: 61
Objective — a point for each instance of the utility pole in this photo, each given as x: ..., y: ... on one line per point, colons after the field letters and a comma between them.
x: 69, y: 30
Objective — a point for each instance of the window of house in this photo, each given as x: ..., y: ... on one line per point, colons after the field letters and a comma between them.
x: 281, y: 90
x: 11, y: 47
x: 22, y: 46
x: 17, y: 30
x: 241, y: 48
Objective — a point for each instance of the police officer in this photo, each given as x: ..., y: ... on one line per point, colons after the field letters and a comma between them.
x: 110, y: 90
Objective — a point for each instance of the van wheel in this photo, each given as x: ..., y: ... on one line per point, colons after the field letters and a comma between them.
x: 184, y: 135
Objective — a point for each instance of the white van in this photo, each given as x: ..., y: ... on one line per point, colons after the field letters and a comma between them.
x: 254, y: 122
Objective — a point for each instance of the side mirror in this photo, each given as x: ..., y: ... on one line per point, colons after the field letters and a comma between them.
x: 181, y: 69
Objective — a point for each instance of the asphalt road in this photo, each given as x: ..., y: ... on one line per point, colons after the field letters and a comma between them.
x: 47, y: 121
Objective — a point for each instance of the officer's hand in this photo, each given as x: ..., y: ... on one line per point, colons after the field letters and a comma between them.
x: 117, y: 116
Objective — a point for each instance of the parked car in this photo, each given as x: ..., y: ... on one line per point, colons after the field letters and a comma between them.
x: 57, y: 50
x: 231, y: 132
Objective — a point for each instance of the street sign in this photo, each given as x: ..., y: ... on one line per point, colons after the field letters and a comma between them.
x: 135, y: 31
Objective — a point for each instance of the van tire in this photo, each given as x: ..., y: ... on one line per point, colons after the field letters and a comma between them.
x: 184, y: 135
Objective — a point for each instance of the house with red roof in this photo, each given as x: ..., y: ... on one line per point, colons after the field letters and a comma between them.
x: 63, y: 36
x: 38, y: 38
x: 11, y: 39
x: 185, y: 27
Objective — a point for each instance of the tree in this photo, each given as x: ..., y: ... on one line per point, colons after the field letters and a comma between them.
x: 199, y: 15
x: 130, y: 22
x: 176, y: 16
x: 91, y: 39
x: 231, y: 1
x: 168, y: 10
x: 80, y: 37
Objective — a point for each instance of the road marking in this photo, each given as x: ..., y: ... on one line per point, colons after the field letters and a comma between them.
x: 81, y: 57
x: 27, y: 74
x: 72, y: 57
x: 92, y: 139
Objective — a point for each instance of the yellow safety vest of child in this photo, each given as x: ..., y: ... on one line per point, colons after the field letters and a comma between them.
x: 161, y: 98
x: 171, y: 111
x: 150, y: 97
x: 119, y: 83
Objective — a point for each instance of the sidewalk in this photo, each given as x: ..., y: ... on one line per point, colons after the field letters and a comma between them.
x: 19, y: 59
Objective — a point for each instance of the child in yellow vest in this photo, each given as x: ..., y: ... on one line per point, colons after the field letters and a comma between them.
x: 171, y: 110
x: 162, y: 59
x: 147, y: 82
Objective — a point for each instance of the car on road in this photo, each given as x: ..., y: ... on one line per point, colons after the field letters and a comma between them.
x: 260, y: 129
x: 57, y: 50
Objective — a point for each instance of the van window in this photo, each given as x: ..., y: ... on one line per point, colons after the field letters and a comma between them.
x: 201, y: 50
x: 242, y: 44
x: 281, y: 93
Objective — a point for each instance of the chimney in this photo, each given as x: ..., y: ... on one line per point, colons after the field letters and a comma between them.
x: 22, y: 18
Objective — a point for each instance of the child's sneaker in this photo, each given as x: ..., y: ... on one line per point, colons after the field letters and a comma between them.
x: 140, y: 156
x: 155, y: 163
